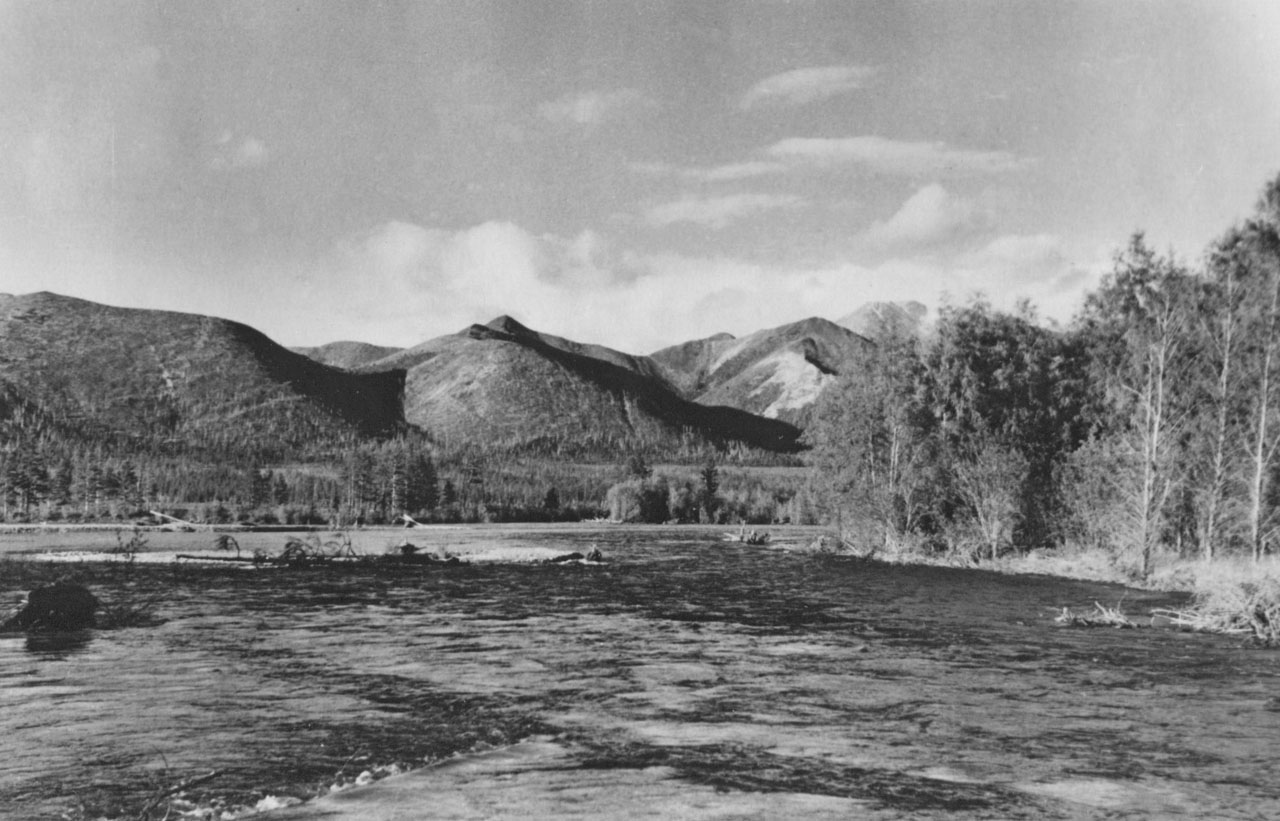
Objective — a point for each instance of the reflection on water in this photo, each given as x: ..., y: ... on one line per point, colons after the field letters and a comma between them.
x: 57, y: 645
x: 917, y: 690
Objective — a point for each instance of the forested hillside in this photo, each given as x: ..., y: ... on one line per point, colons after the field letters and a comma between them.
x: 105, y: 408
x: 159, y: 381
x: 346, y: 354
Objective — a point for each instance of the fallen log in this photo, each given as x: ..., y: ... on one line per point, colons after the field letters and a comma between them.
x: 239, y: 559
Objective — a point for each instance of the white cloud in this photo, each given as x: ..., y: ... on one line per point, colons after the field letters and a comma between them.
x: 717, y: 212
x: 1022, y: 252
x: 400, y: 251
x: 806, y: 85
x: 249, y: 152
x: 728, y: 172
x: 892, y: 156
x: 885, y: 156
x: 417, y: 282
x: 931, y: 216
x: 592, y: 108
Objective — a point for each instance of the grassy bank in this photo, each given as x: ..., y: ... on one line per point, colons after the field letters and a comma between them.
x: 1234, y: 596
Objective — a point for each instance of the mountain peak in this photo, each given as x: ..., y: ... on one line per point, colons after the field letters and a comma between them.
x: 507, y: 324
x: 876, y: 319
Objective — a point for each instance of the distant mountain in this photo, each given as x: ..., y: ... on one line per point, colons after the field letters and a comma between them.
x: 347, y: 355
x: 160, y: 379
x: 688, y: 366
x: 502, y: 384
x: 875, y: 319
x: 777, y: 373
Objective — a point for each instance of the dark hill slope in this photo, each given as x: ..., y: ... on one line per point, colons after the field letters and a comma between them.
x: 346, y: 354
x: 148, y: 378
x: 688, y: 365
x: 777, y: 373
x: 504, y: 385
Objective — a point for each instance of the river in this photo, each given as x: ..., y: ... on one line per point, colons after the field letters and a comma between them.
x: 908, y: 691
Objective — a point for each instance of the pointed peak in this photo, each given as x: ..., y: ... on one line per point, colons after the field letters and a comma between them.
x: 507, y: 324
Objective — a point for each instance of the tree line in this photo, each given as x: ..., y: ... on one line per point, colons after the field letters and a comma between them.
x: 1150, y: 425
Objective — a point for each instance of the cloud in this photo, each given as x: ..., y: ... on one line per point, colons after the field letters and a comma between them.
x: 251, y: 152
x: 806, y: 85
x: 728, y: 172
x: 399, y: 251
x: 413, y: 276
x: 892, y: 156
x: 717, y: 212
x: 248, y: 152
x: 416, y: 282
x: 593, y: 108
x: 1023, y: 258
x: 878, y: 154
x: 931, y: 216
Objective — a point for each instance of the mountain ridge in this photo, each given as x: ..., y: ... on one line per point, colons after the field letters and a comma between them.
x: 155, y: 377
x: 778, y: 373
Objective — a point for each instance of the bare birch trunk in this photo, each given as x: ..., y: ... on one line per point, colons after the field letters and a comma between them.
x: 1262, y: 449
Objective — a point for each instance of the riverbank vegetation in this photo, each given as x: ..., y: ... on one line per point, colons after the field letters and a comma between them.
x: 1148, y: 431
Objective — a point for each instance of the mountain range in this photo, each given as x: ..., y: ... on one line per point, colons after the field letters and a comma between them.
x: 129, y: 375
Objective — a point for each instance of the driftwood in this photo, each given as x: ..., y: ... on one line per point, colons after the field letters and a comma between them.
x: 175, y: 523
x: 1099, y: 617
x: 238, y: 559
x: 744, y: 537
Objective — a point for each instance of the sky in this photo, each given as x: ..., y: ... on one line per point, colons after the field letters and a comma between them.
x: 634, y: 174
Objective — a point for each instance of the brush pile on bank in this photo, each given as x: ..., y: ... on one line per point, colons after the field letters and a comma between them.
x: 1100, y: 616
x: 1236, y: 599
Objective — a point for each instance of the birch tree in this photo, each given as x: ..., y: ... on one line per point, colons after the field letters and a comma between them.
x: 1141, y: 317
x: 1257, y: 246
x: 1222, y: 335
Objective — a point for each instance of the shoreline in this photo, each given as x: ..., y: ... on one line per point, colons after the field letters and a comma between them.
x: 1171, y: 575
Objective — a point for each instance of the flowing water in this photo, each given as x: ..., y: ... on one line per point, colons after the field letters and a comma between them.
x: 916, y: 691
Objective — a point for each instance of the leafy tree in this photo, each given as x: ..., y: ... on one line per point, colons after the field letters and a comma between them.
x: 636, y: 467
x: 869, y: 444
x: 1214, y: 467
x: 130, y: 486
x: 1141, y: 320
x: 27, y: 477
x: 989, y: 478
x: 1258, y: 242
x: 708, y: 498
x: 422, y: 486
x: 94, y: 489
x: 360, y: 489
x: 682, y: 502
x: 280, y: 490
x: 259, y: 484
x: 63, y: 479
x: 996, y: 382
x: 623, y: 500
x: 653, y: 500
